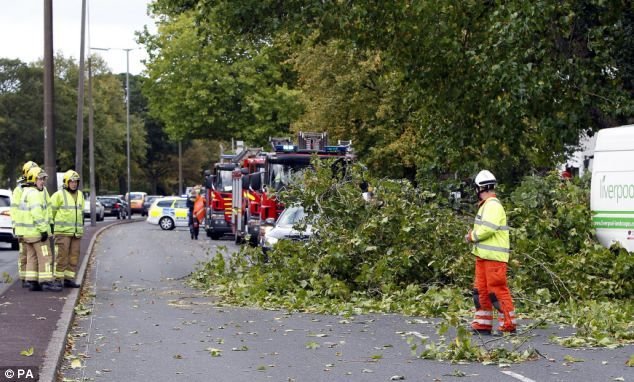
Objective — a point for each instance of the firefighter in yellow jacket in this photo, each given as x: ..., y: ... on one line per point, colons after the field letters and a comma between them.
x: 490, y: 238
x: 67, y: 207
x: 15, y: 219
x: 34, y: 228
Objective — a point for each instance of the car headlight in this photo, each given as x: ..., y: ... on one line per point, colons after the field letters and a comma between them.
x: 264, y: 229
x: 270, y: 241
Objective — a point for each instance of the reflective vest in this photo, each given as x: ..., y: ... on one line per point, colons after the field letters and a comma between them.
x: 33, y: 213
x: 490, y: 234
x: 68, y: 212
x: 15, y: 203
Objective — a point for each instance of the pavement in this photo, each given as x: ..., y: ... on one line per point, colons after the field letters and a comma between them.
x: 40, y: 320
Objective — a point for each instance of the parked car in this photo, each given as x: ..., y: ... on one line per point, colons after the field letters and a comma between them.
x: 286, y: 228
x: 136, y: 201
x: 169, y: 212
x: 114, y: 206
x: 148, y: 203
x: 6, y: 230
x: 99, y: 209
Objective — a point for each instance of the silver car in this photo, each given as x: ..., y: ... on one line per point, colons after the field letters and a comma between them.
x: 285, y: 228
x: 99, y: 209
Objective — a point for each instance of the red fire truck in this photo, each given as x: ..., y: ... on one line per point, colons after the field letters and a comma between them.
x: 253, y: 205
x: 219, y: 189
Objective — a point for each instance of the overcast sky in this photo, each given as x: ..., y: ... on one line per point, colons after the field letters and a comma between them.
x: 111, y: 24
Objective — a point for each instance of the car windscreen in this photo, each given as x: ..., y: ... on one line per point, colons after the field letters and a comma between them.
x: 107, y: 201
x: 292, y: 216
x: 134, y: 196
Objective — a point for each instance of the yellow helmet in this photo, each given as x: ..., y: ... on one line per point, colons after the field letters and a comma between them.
x: 34, y: 174
x: 27, y: 166
x: 70, y: 175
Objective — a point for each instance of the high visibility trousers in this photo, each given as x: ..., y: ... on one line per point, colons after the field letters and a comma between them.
x: 22, y: 259
x: 67, y: 256
x: 39, y: 260
x: 491, y: 291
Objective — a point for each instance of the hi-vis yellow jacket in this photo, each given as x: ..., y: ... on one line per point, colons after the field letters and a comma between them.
x: 68, y: 212
x: 490, y: 234
x: 33, y: 213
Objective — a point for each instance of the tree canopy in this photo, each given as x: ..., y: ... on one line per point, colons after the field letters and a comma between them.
x: 433, y: 88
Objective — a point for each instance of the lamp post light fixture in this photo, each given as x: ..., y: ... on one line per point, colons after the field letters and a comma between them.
x: 127, y: 115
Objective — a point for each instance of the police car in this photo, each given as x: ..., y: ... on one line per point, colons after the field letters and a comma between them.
x: 169, y: 212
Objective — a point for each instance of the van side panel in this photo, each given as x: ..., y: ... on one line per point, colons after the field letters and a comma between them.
x: 612, y: 189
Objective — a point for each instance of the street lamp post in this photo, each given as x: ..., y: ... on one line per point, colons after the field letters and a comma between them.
x: 127, y: 117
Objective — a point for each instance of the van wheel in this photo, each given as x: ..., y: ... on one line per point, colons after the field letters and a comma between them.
x: 15, y: 245
x: 166, y: 224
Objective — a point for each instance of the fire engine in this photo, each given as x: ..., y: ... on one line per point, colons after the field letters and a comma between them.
x: 219, y: 189
x: 252, y: 202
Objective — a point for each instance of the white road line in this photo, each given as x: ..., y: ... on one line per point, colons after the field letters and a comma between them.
x: 517, y: 376
x: 417, y: 334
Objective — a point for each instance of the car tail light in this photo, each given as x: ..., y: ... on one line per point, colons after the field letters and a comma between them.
x: 116, y: 205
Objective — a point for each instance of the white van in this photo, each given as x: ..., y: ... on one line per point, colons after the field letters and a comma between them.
x: 612, y: 191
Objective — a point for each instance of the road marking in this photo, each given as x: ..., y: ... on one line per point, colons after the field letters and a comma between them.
x: 417, y: 334
x: 517, y: 376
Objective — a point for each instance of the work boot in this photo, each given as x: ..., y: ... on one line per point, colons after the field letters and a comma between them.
x: 35, y: 286
x: 71, y: 284
x: 26, y: 284
x: 51, y: 287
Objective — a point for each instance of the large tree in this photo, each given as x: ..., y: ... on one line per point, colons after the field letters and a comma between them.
x: 508, y: 86
x: 20, y: 116
x: 214, y: 85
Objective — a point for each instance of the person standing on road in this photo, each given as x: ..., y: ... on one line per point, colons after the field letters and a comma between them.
x: 67, y: 206
x: 34, y: 227
x: 193, y: 200
x: 490, y: 238
x: 15, y: 219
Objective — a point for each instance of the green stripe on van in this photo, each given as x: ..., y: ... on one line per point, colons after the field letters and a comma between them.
x: 613, y: 222
x: 614, y: 212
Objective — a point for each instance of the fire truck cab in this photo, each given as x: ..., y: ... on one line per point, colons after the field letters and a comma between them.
x: 286, y: 162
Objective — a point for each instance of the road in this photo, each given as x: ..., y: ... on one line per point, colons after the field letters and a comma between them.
x: 147, y: 325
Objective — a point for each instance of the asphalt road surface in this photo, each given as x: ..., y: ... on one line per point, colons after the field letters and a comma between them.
x: 147, y: 325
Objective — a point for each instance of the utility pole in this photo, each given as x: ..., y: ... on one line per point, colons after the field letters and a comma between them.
x: 91, y: 149
x: 180, y: 169
x: 50, y: 160
x: 127, y: 120
x: 79, y: 135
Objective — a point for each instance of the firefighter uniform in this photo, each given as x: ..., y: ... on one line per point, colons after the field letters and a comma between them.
x: 490, y: 236
x: 15, y: 219
x: 34, y: 228
x: 67, y: 207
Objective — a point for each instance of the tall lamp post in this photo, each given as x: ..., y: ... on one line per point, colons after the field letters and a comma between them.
x: 127, y: 113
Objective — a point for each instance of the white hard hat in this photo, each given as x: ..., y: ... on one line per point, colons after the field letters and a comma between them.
x: 485, y: 179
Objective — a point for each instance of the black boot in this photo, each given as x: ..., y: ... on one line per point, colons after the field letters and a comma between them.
x: 71, y: 284
x: 35, y: 286
x: 26, y: 284
x: 51, y: 287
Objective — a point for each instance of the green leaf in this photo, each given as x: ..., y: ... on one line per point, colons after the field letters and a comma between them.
x: 27, y: 352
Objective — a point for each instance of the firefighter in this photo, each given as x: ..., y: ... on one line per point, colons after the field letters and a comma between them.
x: 490, y: 238
x: 67, y: 206
x: 15, y: 219
x: 35, y: 230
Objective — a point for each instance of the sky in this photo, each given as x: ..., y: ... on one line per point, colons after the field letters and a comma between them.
x: 110, y: 24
